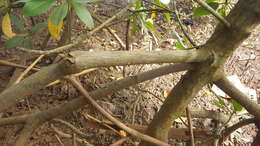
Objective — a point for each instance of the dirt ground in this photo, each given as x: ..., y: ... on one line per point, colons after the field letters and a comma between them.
x: 135, y: 105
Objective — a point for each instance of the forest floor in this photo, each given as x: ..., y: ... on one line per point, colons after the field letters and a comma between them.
x: 134, y: 105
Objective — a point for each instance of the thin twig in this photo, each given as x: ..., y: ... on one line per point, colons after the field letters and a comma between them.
x: 87, y: 116
x: 149, y: 92
x: 187, y: 125
x: 82, y: 41
x: 158, y: 5
x: 111, y: 118
x: 181, y: 25
x: 190, y: 126
x: 127, y: 35
x: 150, y: 10
x: 74, y: 75
x: 28, y: 69
x: 109, y: 20
x: 120, y: 141
x: 73, y: 128
x: 59, y: 140
x: 74, y: 143
x: 111, y: 32
x: 61, y: 133
x: 213, y: 12
x: 7, y: 63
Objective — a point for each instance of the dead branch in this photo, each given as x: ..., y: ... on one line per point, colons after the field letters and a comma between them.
x: 120, y: 141
x: 121, y: 43
x: 59, y: 140
x: 73, y: 128
x: 3, y: 62
x: 28, y: 69
x: 87, y: 116
x: 230, y: 89
x: 174, y: 133
x: 61, y: 133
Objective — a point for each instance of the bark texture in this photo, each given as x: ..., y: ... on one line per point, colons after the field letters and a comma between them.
x: 244, y: 17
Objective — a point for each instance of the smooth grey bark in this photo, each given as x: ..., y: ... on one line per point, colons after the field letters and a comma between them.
x: 80, y: 60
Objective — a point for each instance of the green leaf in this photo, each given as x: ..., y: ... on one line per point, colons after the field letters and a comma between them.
x: 168, y: 17
x: 200, y: 11
x: 218, y: 104
x: 134, y: 26
x: 38, y: 26
x: 237, y: 107
x: 36, y: 7
x: 13, y: 42
x: 149, y: 24
x: 138, y: 5
x: 85, y: 1
x: 83, y: 14
x: 179, y: 44
x: 17, y: 23
x: 59, y: 13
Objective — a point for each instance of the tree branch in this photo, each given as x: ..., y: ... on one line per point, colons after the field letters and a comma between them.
x: 76, y: 103
x: 213, y: 12
x: 199, y: 113
x: 234, y: 127
x: 85, y: 59
x: 81, y: 60
x: 230, y: 89
x: 133, y: 132
x: 244, y: 17
x: 33, y: 83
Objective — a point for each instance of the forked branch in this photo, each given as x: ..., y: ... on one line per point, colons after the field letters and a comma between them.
x: 44, y: 116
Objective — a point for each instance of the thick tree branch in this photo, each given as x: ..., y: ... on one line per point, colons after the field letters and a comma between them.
x: 229, y: 88
x: 81, y: 60
x: 133, y: 132
x: 43, y: 116
x: 110, y: 88
x: 33, y: 84
x: 219, y: 116
x: 85, y: 59
x: 243, y: 18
